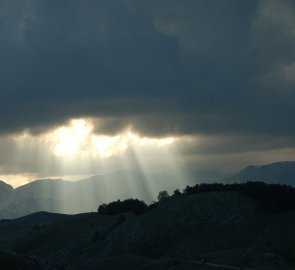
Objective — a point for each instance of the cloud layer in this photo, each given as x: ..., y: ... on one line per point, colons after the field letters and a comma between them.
x: 212, y: 69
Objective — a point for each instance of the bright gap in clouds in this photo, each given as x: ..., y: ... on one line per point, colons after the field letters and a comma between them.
x: 76, y: 151
x: 78, y: 139
x: 125, y: 165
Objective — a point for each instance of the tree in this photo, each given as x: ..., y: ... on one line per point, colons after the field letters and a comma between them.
x: 163, y: 195
x: 176, y: 192
x: 102, y: 209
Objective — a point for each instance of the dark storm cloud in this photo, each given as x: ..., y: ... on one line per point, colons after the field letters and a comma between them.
x: 219, y: 145
x: 162, y: 67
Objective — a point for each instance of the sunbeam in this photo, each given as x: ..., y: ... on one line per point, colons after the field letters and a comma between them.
x: 122, y: 165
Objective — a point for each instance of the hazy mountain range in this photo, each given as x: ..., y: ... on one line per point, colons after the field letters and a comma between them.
x: 86, y: 195
x: 60, y: 196
x: 275, y: 173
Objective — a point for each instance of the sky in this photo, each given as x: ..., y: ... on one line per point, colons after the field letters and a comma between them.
x: 87, y: 87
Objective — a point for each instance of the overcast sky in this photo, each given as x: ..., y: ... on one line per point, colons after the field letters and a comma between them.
x: 217, y: 75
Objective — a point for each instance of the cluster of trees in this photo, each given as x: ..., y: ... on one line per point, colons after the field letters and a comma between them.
x: 268, y: 195
x: 271, y: 196
x: 118, y: 207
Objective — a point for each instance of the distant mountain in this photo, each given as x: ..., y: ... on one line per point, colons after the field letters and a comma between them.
x: 86, y: 195
x: 279, y: 172
x: 5, y: 188
x: 208, y: 176
x: 5, y: 192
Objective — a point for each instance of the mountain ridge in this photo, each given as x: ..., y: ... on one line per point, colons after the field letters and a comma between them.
x: 72, y: 197
x: 276, y: 173
x: 85, y: 195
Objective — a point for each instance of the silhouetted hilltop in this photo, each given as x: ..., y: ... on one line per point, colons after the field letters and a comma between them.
x: 272, y: 196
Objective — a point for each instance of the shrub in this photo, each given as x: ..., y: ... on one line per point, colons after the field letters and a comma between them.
x: 118, y: 207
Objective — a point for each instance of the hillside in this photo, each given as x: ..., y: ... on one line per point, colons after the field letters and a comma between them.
x: 13, y: 229
x: 219, y: 227
x: 13, y: 261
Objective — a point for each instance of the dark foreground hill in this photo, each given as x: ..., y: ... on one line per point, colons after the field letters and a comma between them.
x: 180, y: 232
x: 13, y: 229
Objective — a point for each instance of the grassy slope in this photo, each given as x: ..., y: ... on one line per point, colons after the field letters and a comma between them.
x: 13, y: 229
